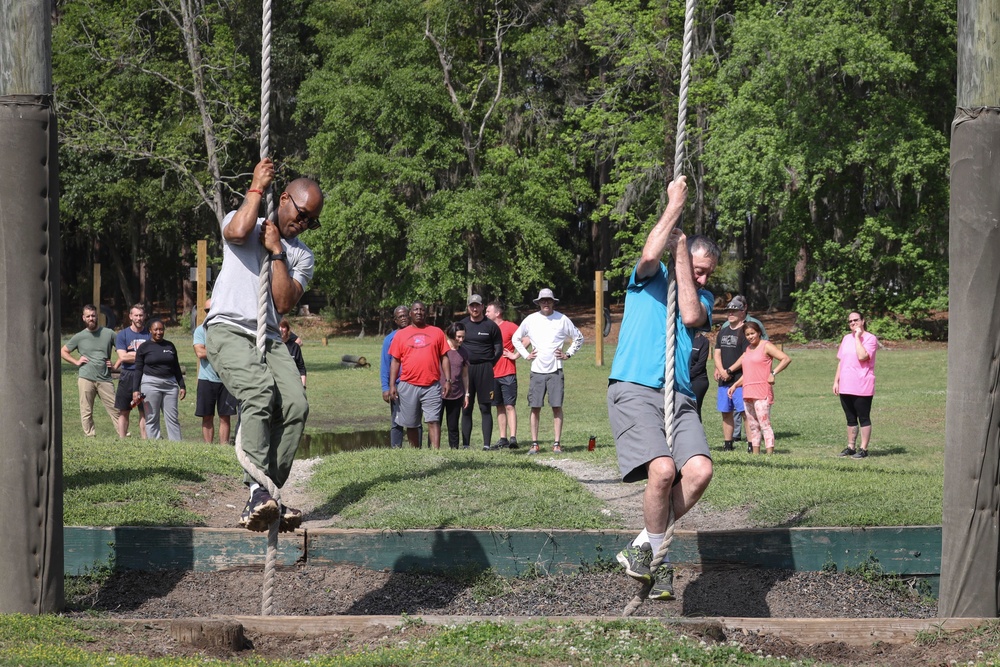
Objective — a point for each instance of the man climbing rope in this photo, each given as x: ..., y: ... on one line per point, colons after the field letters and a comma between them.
x: 272, y: 399
x: 636, y: 388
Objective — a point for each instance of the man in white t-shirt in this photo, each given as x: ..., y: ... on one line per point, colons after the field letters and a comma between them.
x: 549, y: 331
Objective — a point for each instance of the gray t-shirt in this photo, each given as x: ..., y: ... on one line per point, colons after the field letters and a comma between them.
x: 97, y: 346
x: 234, y: 298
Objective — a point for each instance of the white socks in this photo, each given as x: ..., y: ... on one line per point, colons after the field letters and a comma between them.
x: 654, y: 539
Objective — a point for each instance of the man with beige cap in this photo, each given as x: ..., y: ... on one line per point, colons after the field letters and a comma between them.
x: 548, y: 331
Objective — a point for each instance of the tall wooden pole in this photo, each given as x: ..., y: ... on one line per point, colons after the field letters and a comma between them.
x: 970, y: 554
x: 599, y: 316
x: 97, y: 295
x: 31, y: 546
x: 202, y: 287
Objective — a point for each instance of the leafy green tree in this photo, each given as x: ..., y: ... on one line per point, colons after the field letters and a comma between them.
x: 436, y: 186
x: 829, y: 153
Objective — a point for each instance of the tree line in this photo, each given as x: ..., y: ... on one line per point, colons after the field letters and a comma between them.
x: 499, y: 146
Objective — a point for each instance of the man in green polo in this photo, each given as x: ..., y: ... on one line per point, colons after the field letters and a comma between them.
x: 95, y: 344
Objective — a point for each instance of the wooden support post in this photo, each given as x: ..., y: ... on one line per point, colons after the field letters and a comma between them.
x: 599, y: 317
x: 970, y: 581
x: 202, y: 286
x: 96, y: 299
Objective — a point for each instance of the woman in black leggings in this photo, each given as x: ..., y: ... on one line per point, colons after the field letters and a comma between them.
x: 855, y: 384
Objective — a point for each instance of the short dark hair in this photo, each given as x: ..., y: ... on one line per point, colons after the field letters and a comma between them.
x: 89, y: 306
x: 453, y: 329
x: 750, y: 324
x: 496, y: 304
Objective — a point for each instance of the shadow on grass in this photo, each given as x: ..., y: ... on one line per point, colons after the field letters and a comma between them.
x: 91, y: 477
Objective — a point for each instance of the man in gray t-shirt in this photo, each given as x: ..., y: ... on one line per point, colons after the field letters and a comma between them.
x: 273, y: 404
x: 95, y: 343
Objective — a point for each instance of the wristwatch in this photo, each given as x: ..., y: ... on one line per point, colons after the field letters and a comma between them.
x: 281, y: 256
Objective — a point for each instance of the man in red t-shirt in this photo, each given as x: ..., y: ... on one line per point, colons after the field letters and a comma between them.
x: 422, y: 351
x: 505, y: 379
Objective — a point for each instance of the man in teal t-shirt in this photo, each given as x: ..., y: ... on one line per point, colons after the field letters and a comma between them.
x: 95, y: 344
x: 676, y: 476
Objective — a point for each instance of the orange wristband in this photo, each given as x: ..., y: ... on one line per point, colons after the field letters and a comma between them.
x: 260, y: 192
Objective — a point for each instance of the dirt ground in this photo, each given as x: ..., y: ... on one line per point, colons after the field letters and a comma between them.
x: 347, y: 590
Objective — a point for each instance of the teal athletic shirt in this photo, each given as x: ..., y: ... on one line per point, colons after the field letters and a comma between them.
x: 642, y: 339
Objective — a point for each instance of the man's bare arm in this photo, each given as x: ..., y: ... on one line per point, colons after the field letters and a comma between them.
x: 244, y: 221
x: 659, y: 236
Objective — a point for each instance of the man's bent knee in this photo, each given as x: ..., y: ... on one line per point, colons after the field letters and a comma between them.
x: 661, y: 472
x: 697, y: 472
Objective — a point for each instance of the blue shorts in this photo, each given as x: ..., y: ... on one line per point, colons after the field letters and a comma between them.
x: 726, y: 404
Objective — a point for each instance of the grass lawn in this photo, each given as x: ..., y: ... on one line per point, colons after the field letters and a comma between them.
x: 109, y: 482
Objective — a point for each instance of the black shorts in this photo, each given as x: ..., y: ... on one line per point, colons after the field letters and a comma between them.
x: 505, y: 391
x: 212, y: 395
x: 481, y: 383
x: 857, y: 409
x: 123, y: 395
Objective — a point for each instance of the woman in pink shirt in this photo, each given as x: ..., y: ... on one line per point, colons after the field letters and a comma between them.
x: 757, y: 381
x: 855, y: 383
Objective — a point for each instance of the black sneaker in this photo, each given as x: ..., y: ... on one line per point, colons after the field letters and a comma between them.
x: 486, y: 447
x: 512, y: 443
x: 260, y: 511
x: 291, y: 519
x: 848, y: 451
x: 663, y: 583
x: 727, y: 446
x: 749, y: 448
x: 860, y: 454
x: 500, y: 444
x: 636, y: 560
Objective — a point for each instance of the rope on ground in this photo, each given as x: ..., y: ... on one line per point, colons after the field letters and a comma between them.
x: 669, y: 371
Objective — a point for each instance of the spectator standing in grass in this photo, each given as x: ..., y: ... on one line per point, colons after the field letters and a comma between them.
x: 401, y: 319
x: 549, y: 331
x: 294, y: 349
x: 757, y: 380
x: 273, y: 403
x: 484, y: 343
x: 505, y: 379
x: 127, y: 343
x: 212, y: 394
x: 456, y: 395
x: 676, y: 478
x: 730, y: 344
x: 95, y: 344
x: 158, y: 375
x: 419, y: 374
x: 699, y: 368
x: 855, y: 384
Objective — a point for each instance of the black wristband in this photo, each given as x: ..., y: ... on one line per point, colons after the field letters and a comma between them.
x: 283, y: 256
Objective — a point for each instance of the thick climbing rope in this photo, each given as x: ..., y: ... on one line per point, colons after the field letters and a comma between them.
x: 263, y: 303
x: 668, y: 375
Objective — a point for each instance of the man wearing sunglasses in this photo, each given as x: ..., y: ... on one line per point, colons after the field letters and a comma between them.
x: 272, y: 399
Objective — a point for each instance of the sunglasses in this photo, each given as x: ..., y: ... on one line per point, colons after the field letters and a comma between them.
x: 856, y: 319
x: 311, y: 223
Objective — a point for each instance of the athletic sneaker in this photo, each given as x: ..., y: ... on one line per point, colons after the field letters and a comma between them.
x: 556, y: 448
x: 663, y: 583
x: 860, y: 454
x: 500, y: 444
x: 291, y: 519
x: 260, y: 512
x: 848, y: 451
x: 636, y: 560
x: 486, y: 447
x: 534, y: 448
x: 727, y: 446
x: 512, y: 443
x: 749, y: 448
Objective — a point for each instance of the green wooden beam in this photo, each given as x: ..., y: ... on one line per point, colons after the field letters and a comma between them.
x: 910, y: 550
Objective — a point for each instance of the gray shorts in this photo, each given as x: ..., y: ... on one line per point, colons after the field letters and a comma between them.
x: 505, y: 391
x: 542, y: 383
x: 412, y: 399
x: 636, y: 416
